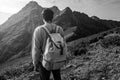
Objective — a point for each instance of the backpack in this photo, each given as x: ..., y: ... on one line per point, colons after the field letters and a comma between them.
x: 54, y: 56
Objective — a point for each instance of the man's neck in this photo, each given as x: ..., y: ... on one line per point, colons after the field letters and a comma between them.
x: 47, y: 23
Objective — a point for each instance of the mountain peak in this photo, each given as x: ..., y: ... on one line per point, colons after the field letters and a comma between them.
x: 55, y: 9
x: 95, y: 18
x: 67, y: 9
x: 32, y: 4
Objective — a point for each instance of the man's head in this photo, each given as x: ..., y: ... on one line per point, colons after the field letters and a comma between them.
x: 48, y: 15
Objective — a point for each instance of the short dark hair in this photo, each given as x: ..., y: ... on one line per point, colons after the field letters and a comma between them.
x: 48, y: 14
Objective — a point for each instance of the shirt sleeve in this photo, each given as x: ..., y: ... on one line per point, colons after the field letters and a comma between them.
x: 36, y: 43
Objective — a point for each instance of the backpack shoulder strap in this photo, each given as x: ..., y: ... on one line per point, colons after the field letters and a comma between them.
x: 48, y: 33
x: 57, y: 28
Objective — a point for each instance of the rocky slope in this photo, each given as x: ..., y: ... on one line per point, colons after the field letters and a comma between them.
x: 17, y: 34
x: 96, y: 63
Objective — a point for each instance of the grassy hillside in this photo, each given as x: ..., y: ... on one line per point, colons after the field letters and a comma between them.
x: 93, y: 62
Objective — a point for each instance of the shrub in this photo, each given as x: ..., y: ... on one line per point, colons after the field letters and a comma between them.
x: 80, y: 51
x: 2, y: 78
x: 111, y: 41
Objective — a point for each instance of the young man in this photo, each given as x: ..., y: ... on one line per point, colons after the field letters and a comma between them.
x: 38, y: 45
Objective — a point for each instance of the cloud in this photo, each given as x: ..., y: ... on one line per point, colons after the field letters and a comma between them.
x: 107, y: 2
x: 116, y: 2
x: 57, y: 1
x: 102, y: 2
x: 9, y: 6
x: 77, y: 0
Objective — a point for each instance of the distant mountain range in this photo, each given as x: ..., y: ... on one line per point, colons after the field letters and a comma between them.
x: 16, y: 32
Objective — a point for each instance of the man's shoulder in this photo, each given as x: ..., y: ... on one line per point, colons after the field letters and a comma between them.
x: 38, y: 28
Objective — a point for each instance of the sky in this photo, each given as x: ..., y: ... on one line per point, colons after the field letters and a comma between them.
x: 104, y: 9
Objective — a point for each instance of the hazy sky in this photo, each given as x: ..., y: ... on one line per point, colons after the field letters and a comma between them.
x: 105, y: 9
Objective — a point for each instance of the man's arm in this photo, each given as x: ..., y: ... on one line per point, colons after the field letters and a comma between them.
x: 36, y: 52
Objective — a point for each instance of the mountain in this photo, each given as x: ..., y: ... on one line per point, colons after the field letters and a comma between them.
x: 16, y: 32
x: 16, y: 18
x: 90, y: 55
x: 87, y: 26
x: 65, y: 18
x: 55, y: 10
